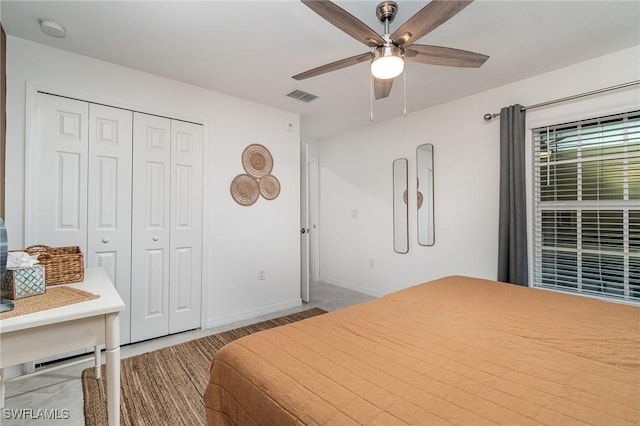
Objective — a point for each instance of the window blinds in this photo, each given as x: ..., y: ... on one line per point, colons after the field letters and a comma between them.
x: 587, y: 206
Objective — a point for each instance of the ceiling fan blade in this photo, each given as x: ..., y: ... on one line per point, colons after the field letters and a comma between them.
x: 342, y: 63
x: 447, y: 56
x: 382, y: 88
x: 348, y: 23
x: 426, y: 20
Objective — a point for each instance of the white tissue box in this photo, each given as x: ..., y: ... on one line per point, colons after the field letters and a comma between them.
x: 23, y: 282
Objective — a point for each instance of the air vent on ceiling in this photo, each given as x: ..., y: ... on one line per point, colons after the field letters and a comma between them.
x: 302, y: 96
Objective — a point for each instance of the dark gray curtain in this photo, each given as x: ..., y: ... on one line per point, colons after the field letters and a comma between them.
x: 512, y: 238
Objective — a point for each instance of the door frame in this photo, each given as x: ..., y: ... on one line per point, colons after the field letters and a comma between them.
x: 304, y: 223
x: 313, y: 194
x: 309, y: 202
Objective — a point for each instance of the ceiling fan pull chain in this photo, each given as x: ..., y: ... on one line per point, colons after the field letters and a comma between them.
x: 371, y: 97
x: 404, y: 92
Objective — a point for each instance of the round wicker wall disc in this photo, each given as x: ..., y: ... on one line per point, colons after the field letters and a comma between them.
x: 269, y: 187
x: 257, y: 160
x: 405, y: 198
x: 244, y: 190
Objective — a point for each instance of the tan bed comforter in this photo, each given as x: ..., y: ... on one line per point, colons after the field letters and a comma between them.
x: 455, y: 351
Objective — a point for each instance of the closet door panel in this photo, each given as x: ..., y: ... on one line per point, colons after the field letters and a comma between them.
x: 186, y: 226
x: 155, y: 263
x: 151, y: 227
x: 60, y: 217
x: 109, y: 200
x: 181, y: 289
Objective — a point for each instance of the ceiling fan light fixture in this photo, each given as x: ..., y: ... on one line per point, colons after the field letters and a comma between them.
x: 387, y: 63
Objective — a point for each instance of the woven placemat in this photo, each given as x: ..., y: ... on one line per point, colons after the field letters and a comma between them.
x: 54, y: 297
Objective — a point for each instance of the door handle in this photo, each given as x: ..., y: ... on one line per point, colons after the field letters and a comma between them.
x: 105, y: 240
x: 304, y: 230
x: 156, y: 238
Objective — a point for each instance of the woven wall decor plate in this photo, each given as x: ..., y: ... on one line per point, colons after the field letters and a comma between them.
x: 269, y: 187
x: 405, y: 198
x: 244, y: 190
x: 257, y: 160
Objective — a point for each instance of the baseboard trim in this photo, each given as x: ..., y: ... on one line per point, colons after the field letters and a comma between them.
x: 350, y: 286
x: 252, y: 313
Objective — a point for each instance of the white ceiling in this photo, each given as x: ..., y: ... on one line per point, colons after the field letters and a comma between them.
x: 250, y: 49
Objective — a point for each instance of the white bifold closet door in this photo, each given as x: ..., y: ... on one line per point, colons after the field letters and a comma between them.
x: 109, y: 200
x: 186, y: 227
x: 82, y: 186
x: 167, y: 226
x: 60, y: 170
x: 127, y: 188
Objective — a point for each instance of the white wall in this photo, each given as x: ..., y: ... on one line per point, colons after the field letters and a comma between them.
x: 356, y: 174
x: 238, y: 240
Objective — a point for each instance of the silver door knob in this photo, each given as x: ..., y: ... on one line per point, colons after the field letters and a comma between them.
x: 105, y: 240
x: 155, y: 238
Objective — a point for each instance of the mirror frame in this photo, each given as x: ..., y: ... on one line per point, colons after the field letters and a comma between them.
x: 424, y: 214
x: 400, y: 208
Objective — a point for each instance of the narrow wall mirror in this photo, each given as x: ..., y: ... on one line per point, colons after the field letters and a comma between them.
x: 424, y: 170
x: 400, y: 211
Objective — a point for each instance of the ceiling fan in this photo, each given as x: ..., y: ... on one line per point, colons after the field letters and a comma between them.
x: 390, y: 51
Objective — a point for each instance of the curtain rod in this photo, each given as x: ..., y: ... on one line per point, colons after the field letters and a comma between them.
x: 489, y: 116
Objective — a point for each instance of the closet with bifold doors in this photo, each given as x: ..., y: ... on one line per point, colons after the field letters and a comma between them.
x: 126, y: 187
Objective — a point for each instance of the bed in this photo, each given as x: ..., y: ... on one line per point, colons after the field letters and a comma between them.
x: 454, y: 351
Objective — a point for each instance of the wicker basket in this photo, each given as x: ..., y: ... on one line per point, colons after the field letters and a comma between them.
x: 62, y: 265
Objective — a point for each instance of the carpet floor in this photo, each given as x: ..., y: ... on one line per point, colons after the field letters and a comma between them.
x: 166, y: 387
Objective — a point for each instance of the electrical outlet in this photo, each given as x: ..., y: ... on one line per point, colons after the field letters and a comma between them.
x: 261, y: 274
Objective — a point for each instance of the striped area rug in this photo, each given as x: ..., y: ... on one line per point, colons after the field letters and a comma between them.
x: 166, y: 387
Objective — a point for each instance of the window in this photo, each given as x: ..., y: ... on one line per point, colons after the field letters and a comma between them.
x: 587, y: 207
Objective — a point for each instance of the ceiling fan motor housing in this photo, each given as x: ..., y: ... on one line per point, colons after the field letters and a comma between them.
x: 386, y: 11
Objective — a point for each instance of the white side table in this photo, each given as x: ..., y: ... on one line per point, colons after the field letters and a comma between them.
x: 59, y: 330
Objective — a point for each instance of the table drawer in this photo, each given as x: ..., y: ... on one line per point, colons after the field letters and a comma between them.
x: 34, y: 343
